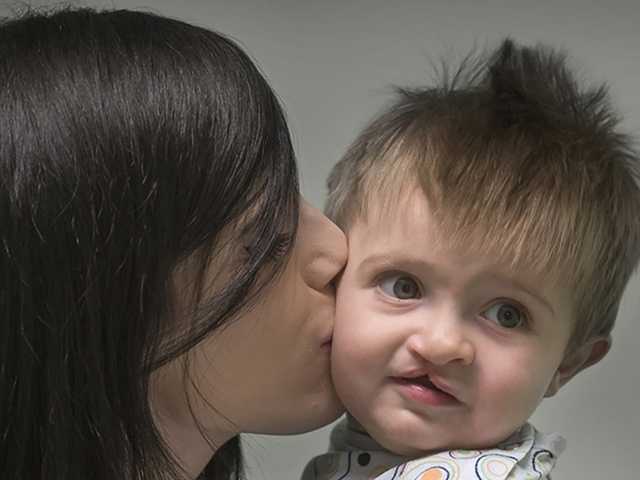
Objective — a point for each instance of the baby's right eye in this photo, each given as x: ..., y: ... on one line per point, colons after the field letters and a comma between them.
x: 401, y: 287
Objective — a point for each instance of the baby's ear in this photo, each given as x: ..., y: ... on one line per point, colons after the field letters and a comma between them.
x: 586, y: 355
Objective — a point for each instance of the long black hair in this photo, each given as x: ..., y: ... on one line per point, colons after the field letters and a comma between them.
x: 128, y: 143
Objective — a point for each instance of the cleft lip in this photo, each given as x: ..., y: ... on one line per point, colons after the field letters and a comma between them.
x: 429, y: 379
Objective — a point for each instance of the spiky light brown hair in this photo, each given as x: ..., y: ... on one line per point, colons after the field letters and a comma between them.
x: 516, y: 160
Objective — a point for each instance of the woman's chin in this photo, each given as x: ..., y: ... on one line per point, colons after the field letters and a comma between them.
x: 327, y: 415
x: 317, y: 414
x: 320, y: 410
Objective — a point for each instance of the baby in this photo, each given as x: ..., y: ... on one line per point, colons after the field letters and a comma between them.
x: 493, y: 226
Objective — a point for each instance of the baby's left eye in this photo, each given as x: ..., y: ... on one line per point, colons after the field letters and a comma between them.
x: 506, y: 315
x: 401, y: 287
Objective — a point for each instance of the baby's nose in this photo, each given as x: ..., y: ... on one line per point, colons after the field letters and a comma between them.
x: 442, y: 342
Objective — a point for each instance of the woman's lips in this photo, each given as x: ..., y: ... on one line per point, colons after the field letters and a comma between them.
x: 423, y: 390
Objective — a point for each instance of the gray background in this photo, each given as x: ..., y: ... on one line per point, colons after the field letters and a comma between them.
x: 331, y: 63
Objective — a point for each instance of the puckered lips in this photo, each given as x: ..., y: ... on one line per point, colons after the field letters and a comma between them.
x: 426, y: 389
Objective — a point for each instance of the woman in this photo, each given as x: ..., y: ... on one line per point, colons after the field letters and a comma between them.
x: 162, y: 287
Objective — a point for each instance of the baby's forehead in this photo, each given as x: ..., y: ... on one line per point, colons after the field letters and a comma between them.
x: 405, y: 228
x: 397, y: 249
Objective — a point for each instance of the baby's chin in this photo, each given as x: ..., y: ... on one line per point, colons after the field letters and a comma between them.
x: 401, y: 447
x: 404, y: 438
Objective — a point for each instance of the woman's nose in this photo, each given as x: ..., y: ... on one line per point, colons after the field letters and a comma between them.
x: 323, y: 245
x: 442, y: 341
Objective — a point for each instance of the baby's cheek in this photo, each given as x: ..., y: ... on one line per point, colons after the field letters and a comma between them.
x: 345, y: 354
x: 349, y: 365
x: 345, y: 376
x: 507, y: 402
x: 350, y: 328
x: 354, y: 346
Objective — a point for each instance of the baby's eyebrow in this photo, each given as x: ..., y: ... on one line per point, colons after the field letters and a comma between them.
x: 376, y: 259
x: 393, y: 259
x: 400, y: 260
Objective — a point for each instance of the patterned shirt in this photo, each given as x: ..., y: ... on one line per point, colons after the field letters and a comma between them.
x: 354, y: 455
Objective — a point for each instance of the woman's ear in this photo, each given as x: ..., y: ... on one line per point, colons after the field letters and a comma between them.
x: 584, y: 356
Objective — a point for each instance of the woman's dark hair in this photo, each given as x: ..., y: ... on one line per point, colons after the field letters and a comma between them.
x: 128, y: 143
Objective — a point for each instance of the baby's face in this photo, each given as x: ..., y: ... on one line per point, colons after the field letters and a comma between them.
x: 434, y: 349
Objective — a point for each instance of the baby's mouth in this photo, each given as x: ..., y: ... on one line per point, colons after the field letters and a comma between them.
x: 425, y: 383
